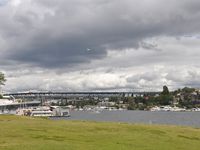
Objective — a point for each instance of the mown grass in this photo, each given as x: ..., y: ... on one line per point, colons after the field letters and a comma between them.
x: 24, y: 133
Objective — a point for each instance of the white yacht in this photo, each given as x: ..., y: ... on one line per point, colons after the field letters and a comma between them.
x: 41, y: 112
x: 44, y: 111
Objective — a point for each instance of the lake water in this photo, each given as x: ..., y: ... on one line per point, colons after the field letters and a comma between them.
x: 146, y: 117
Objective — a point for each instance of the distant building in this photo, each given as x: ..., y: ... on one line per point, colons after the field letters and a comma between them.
x: 106, y: 103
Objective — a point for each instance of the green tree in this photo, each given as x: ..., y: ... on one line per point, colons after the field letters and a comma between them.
x: 2, y: 79
x: 165, y: 98
x: 165, y: 90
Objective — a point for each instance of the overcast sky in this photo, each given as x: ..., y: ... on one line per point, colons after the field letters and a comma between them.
x: 98, y: 45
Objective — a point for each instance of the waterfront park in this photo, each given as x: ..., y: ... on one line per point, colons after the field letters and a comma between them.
x: 22, y: 133
x: 33, y: 133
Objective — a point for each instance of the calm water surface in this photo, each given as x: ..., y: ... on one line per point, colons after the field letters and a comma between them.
x: 147, y: 117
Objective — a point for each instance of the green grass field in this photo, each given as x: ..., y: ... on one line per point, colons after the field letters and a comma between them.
x: 23, y: 133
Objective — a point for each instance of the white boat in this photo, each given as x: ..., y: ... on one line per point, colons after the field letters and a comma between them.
x: 195, y: 109
x: 156, y: 108
x: 44, y: 111
x: 41, y: 112
x: 178, y: 109
x: 60, y: 111
x: 36, y: 111
x: 167, y: 108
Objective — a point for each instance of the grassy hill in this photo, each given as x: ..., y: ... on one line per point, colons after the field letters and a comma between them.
x: 23, y: 133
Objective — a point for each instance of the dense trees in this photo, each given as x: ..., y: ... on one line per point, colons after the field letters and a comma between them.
x: 146, y: 101
x: 188, y: 90
x: 189, y: 97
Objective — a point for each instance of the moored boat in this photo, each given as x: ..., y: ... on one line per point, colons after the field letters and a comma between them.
x: 44, y: 111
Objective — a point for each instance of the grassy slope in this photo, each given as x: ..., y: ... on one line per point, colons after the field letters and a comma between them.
x: 21, y: 133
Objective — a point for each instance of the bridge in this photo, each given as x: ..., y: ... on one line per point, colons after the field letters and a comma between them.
x: 75, y: 94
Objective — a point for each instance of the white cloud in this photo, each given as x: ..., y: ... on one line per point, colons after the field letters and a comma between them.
x: 99, y: 45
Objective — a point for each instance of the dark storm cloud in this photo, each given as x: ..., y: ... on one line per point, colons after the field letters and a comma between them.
x: 59, y: 53
x: 59, y: 33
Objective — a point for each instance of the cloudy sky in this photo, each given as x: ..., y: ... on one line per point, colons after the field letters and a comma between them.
x: 99, y: 45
